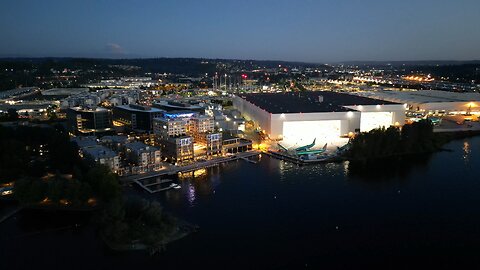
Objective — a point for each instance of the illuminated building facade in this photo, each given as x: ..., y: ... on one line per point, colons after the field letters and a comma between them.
x: 298, y: 118
x: 171, y: 136
x: 177, y: 149
x: 165, y: 128
x: 430, y: 101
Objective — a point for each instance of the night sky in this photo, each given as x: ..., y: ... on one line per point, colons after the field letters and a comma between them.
x: 298, y: 30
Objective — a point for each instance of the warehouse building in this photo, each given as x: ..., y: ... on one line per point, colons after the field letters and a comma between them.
x: 432, y: 101
x: 298, y: 118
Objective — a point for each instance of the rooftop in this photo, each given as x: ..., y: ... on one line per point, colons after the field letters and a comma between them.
x: 17, y: 91
x: 114, y: 139
x: 84, y: 141
x: 139, y: 146
x: 139, y: 108
x: 98, y: 152
x: 175, y: 105
x: 423, y: 96
x: 64, y: 91
x: 308, y: 101
x: 89, y: 109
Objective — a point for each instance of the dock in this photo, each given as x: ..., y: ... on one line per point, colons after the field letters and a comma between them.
x: 148, y: 181
x: 248, y: 160
x: 298, y: 161
x: 10, y: 214
x: 153, y: 185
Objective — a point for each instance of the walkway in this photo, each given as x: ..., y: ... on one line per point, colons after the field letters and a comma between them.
x: 10, y: 214
x: 173, y: 170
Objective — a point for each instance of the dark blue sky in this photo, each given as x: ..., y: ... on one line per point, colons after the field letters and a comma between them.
x: 303, y: 30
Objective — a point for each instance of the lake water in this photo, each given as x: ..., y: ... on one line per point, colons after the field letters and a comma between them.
x: 419, y: 212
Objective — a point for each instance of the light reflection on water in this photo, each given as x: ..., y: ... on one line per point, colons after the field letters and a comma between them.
x: 202, y: 185
x: 197, y: 183
x: 191, y: 194
x: 279, y: 212
x: 289, y: 171
x: 466, y: 152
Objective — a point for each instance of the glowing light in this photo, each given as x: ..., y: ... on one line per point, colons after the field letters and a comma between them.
x: 378, y: 107
x: 304, y: 132
x: 92, y: 201
x: 372, y: 120
x: 199, y: 172
x: 349, y: 114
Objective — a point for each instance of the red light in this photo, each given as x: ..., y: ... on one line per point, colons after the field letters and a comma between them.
x: 244, y: 76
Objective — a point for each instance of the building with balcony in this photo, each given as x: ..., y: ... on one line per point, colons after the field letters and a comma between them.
x: 177, y: 149
x: 102, y: 155
x: 165, y: 128
x: 144, y: 158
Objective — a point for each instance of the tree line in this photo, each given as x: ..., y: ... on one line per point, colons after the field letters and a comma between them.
x: 48, y: 172
x: 45, y: 166
x: 393, y: 141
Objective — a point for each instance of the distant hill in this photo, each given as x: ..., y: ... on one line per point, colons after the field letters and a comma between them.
x: 187, y: 66
x: 412, y: 63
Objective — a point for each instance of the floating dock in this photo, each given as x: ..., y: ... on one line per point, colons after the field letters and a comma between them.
x: 153, y: 185
x: 174, y: 170
x: 298, y: 161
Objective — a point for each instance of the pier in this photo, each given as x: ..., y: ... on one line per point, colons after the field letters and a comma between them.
x: 248, y: 160
x: 148, y: 181
x: 154, y: 186
x: 10, y: 214
x: 298, y: 161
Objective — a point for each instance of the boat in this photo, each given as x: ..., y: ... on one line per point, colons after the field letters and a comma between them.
x: 175, y: 186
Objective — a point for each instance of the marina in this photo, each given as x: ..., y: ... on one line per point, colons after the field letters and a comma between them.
x: 154, y: 182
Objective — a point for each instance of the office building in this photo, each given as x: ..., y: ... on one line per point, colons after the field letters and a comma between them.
x: 86, y: 120
x: 135, y: 117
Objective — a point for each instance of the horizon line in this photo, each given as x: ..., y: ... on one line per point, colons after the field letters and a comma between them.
x: 232, y: 59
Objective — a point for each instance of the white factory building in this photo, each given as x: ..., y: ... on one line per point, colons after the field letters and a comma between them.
x: 297, y: 118
x: 430, y: 100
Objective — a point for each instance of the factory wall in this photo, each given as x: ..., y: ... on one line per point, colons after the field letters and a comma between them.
x: 251, y: 112
x: 350, y: 121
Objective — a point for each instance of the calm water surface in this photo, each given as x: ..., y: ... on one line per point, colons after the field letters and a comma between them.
x: 423, y: 212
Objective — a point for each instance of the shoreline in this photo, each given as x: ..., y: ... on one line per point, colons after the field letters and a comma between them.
x: 183, y: 229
